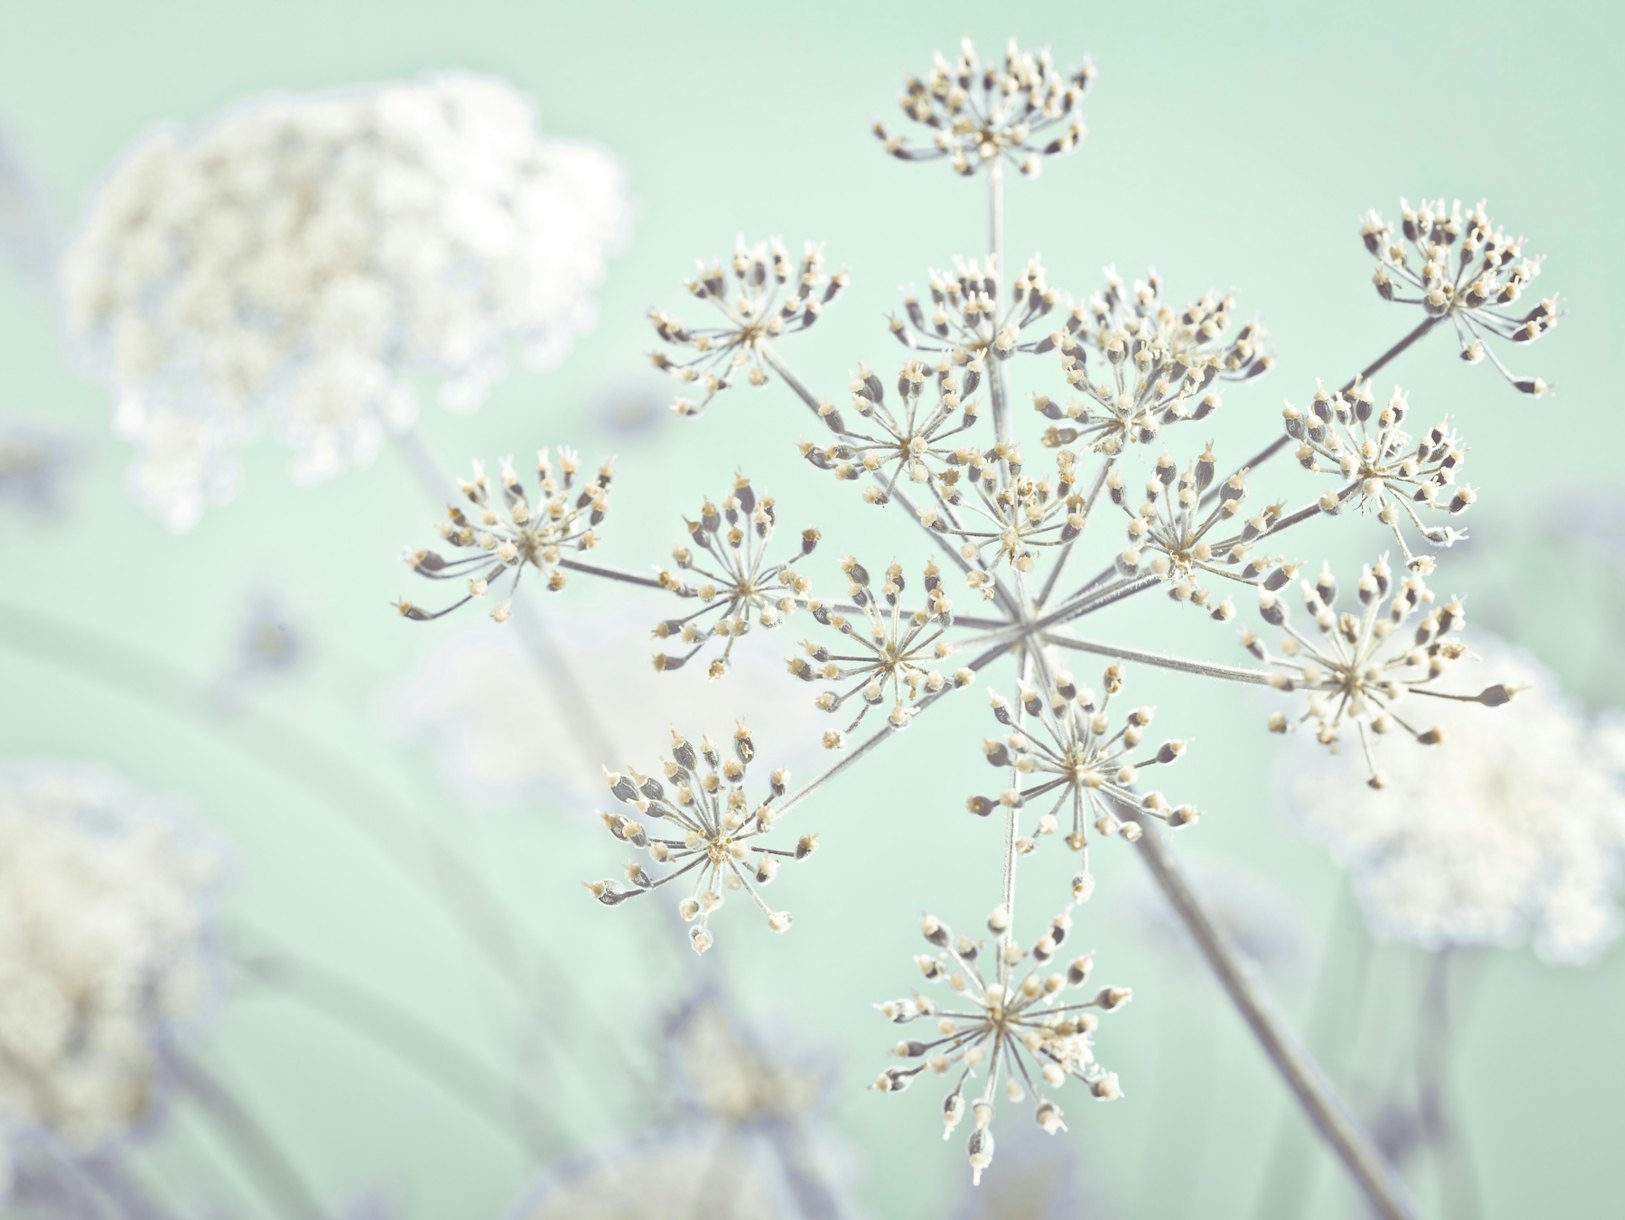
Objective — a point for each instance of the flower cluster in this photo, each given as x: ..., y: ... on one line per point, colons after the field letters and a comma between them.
x: 908, y: 440
x: 1063, y: 747
x: 532, y: 535
x: 966, y: 323
x: 1170, y: 523
x: 1380, y: 465
x: 104, y: 954
x: 1019, y: 110
x: 302, y: 261
x: 1468, y: 270
x: 895, y: 649
x: 1511, y: 830
x: 738, y: 585
x: 1029, y: 1029
x: 716, y: 824
x: 1362, y: 665
x: 1160, y: 365
x: 748, y: 297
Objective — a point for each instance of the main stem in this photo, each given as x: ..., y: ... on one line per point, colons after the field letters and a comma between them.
x: 1315, y: 1093
x: 1302, y: 1074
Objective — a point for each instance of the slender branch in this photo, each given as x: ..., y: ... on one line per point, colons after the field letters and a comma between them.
x: 1458, y: 1190
x: 592, y: 569
x: 109, y: 1175
x: 1354, y: 1146
x: 1286, y: 1172
x: 275, y: 1174
x: 1255, y: 677
x: 1370, y: 370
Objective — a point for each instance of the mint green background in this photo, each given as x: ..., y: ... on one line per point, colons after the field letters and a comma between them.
x: 1234, y: 145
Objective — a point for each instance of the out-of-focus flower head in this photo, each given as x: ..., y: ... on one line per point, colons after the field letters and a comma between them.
x: 301, y: 261
x: 33, y: 459
x: 1511, y: 830
x: 105, y: 955
x: 736, y: 1073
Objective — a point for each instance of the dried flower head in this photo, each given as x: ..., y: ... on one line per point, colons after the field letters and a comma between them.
x: 1065, y: 749
x: 1382, y: 468
x: 1030, y: 1029
x: 1178, y: 522
x: 1140, y: 365
x: 1003, y: 512
x: 1512, y: 830
x: 909, y: 439
x: 708, y: 809
x: 302, y: 263
x: 1019, y: 110
x: 896, y: 651
x: 1358, y: 666
x: 105, y: 958
x: 1476, y: 286
x: 522, y: 535
x: 967, y: 323
x: 728, y: 572
x: 760, y: 297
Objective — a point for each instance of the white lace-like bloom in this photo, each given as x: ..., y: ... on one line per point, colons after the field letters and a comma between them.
x: 104, y: 954
x: 1511, y: 830
x: 300, y: 262
x: 498, y: 735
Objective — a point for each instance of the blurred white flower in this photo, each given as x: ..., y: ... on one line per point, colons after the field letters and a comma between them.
x: 301, y: 262
x: 503, y: 737
x: 1512, y: 829
x: 104, y: 954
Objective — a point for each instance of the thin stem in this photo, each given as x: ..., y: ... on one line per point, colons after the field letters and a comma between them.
x: 1255, y: 677
x: 440, y: 1061
x: 1286, y: 1173
x: 273, y: 1172
x: 109, y: 1175
x: 1458, y: 1189
x: 1322, y: 1105
x: 592, y: 569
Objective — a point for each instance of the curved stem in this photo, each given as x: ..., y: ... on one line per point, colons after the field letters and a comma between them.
x: 1322, y: 1105
x: 279, y: 1181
